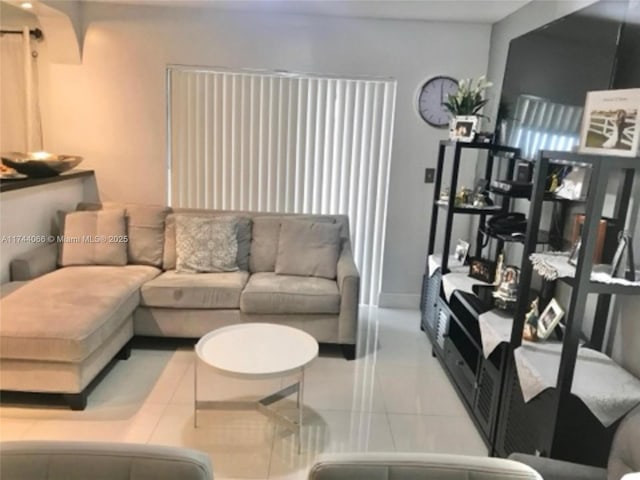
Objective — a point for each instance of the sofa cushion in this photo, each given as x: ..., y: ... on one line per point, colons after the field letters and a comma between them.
x: 67, y: 314
x: 264, y: 243
x: 94, y: 238
x: 308, y: 248
x: 243, y: 237
x: 145, y: 229
x: 268, y: 292
x: 266, y: 236
x: 187, y: 290
x: 206, y: 244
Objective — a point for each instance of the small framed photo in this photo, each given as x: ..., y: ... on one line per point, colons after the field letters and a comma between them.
x: 462, y: 249
x: 464, y: 128
x: 549, y: 318
x: 575, y: 252
x: 610, y: 124
x: 481, y: 269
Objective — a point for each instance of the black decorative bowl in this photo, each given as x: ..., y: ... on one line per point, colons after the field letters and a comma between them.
x: 40, y: 165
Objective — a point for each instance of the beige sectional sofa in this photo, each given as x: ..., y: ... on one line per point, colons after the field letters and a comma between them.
x: 64, y: 325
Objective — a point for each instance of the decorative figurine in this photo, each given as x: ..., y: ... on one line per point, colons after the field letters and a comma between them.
x: 530, y: 331
x: 462, y: 197
x: 480, y: 197
x: 499, y: 267
x: 507, y: 293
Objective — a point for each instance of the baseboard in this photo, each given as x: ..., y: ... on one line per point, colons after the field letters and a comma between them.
x: 399, y: 300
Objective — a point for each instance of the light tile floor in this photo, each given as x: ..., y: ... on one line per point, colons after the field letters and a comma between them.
x: 394, y: 397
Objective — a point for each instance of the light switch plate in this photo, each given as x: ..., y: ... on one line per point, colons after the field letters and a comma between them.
x: 429, y: 175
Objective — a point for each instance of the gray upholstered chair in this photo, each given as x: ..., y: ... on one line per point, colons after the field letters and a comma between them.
x: 101, y: 461
x: 418, y: 466
x: 624, y: 457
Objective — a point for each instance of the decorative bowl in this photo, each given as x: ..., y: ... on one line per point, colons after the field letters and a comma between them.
x: 40, y: 164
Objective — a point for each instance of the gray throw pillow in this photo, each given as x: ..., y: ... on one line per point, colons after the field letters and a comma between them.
x: 206, y: 244
x: 145, y: 229
x: 309, y: 249
x: 94, y: 238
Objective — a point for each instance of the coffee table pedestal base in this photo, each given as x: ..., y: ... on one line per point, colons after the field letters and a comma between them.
x: 263, y: 406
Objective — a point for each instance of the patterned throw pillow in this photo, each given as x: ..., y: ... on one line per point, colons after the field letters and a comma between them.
x: 206, y: 244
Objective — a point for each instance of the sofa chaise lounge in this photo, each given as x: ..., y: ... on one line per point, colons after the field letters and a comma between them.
x: 80, y: 303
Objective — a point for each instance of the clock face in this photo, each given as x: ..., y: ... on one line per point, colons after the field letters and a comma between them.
x: 432, y: 94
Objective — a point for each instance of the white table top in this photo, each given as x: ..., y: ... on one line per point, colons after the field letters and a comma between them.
x: 257, y: 349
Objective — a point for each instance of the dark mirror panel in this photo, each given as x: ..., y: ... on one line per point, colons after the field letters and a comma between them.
x: 550, y: 70
x: 627, y: 73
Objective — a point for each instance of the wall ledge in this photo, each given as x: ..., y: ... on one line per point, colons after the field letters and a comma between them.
x: 12, y: 185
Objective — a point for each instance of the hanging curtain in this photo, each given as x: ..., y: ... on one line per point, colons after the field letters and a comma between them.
x: 20, y: 124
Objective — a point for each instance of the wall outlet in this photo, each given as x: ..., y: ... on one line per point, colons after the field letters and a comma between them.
x: 429, y: 175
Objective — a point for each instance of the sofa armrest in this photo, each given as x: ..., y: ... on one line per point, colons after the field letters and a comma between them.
x: 48, y: 460
x: 409, y: 466
x: 36, y: 262
x: 346, y: 267
x: 348, y: 280
x: 551, y: 469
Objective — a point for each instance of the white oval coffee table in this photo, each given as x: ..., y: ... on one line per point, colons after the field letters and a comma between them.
x: 257, y: 351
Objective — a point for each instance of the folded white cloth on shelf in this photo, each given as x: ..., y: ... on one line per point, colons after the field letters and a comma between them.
x: 434, y: 262
x: 607, y: 389
x: 553, y: 265
x: 495, y: 328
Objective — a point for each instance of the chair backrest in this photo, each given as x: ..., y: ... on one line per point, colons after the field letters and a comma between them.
x: 625, y: 450
x: 405, y: 466
x: 100, y: 461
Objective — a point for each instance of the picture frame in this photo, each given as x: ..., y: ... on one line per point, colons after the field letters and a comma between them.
x: 462, y: 249
x: 549, y: 319
x: 610, y: 123
x: 619, y: 268
x: 575, y: 252
x: 481, y: 269
x: 575, y: 184
x: 464, y: 128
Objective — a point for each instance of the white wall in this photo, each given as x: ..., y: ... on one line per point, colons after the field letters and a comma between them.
x: 32, y: 212
x: 112, y: 108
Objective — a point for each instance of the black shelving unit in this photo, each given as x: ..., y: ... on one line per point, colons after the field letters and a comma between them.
x: 452, y: 326
x: 557, y: 423
x: 450, y: 207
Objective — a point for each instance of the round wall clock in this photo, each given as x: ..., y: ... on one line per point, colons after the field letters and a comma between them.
x: 432, y: 94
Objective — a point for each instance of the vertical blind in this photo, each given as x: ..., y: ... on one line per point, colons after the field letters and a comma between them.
x: 539, y: 124
x: 279, y: 142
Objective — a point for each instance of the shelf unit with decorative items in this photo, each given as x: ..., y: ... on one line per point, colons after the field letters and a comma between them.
x: 564, y: 398
x: 450, y: 314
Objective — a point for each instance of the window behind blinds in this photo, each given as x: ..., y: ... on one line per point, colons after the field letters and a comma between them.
x: 279, y: 142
